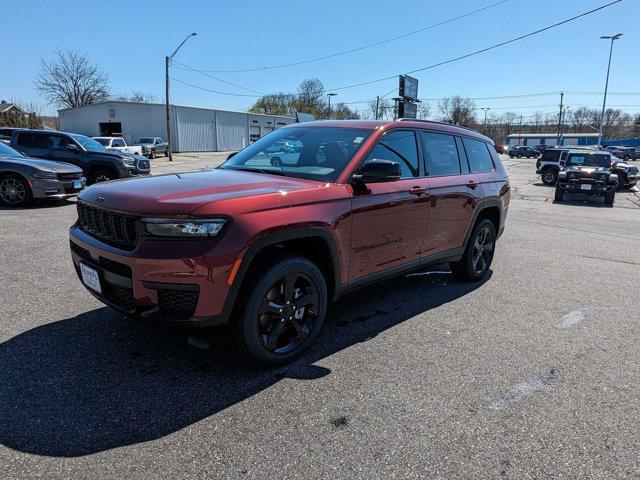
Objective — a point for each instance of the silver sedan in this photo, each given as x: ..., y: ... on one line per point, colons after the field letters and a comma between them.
x: 23, y: 179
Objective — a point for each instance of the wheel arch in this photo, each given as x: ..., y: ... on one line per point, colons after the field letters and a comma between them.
x: 315, y: 243
x: 489, y: 209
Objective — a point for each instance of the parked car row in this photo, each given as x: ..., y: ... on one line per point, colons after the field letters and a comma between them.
x: 68, y: 153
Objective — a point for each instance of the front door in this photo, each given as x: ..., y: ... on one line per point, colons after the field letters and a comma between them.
x: 59, y: 152
x: 454, y: 192
x: 390, y: 219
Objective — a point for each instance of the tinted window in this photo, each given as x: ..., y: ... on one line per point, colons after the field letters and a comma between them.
x: 58, y: 143
x: 441, y: 154
x: 464, y: 164
x: 478, y: 155
x: 103, y: 141
x: 551, y: 155
x: 590, y: 160
x: 32, y: 140
x: 117, y: 142
x: 398, y: 146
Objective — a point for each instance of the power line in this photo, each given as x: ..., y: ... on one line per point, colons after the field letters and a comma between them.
x: 214, y: 91
x: 445, y: 62
x: 357, y: 49
x: 218, y: 79
x: 483, y: 50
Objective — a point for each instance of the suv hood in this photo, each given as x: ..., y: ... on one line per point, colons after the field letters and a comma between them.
x: 47, y: 165
x: 182, y: 194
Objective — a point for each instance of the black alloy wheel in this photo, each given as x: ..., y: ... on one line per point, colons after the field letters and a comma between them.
x: 549, y: 176
x: 478, y: 254
x: 101, y: 175
x: 281, y: 310
x: 14, y: 191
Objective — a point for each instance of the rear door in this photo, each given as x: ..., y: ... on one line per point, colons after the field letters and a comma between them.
x: 389, y: 220
x: 454, y: 192
x: 481, y: 164
x: 32, y: 144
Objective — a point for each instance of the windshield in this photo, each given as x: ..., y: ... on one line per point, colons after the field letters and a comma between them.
x: 312, y: 153
x: 7, y: 151
x: 590, y: 160
x: 146, y: 140
x: 88, y: 143
x: 103, y: 141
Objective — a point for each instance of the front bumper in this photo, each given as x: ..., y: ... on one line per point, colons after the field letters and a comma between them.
x: 596, y: 187
x: 153, y: 281
x: 52, y: 188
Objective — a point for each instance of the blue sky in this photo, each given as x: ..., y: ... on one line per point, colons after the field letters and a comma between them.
x: 130, y: 39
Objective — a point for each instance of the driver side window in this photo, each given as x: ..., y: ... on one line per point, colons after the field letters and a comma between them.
x: 398, y: 146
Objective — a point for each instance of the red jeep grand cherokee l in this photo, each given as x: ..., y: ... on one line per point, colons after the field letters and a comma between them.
x: 290, y: 223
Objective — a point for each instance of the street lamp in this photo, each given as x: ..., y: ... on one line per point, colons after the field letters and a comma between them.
x: 167, y: 60
x: 485, y: 110
x: 329, y: 95
x: 613, y: 38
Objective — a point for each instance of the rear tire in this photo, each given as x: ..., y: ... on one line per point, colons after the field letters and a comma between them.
x: 15, y: 191
x: 478, y: 254
x: 152, y: 154
x: 610, y: 197
x: 559, y: 195
x: 270, y: 326
x: 166, y: 152
x: 621, y: 182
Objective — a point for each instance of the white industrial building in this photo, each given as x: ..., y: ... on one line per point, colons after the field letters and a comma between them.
x: 193, y: 129
x: 531, y: 139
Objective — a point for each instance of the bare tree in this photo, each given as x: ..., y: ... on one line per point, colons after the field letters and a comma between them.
x: 424, y: 110
x: 71, y: 80
x: 137, y: 96
x: 581, y: 119
x: 458, y: 110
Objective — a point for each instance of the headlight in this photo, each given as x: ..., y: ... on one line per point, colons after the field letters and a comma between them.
x: 165, y: 227
x: 44, y: 174
x: 129, y: 161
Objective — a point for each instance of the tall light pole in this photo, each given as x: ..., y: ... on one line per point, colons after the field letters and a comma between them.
x: 167, y: 60
x: 613, y: 38
x: 484, y: 127
x: 329, y: 95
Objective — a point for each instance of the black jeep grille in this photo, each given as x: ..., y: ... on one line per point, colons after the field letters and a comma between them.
x: 111, y: 226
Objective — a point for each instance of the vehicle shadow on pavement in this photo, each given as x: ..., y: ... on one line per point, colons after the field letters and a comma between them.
x: 99, y: 380
x: 39, y: 205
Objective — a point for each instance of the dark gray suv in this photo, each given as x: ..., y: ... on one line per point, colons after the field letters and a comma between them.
x: 97, y: 163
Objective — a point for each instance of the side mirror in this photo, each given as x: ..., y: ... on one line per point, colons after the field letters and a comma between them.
x: 72, y: 147
x: 378, y: 171
x: 562, y: 163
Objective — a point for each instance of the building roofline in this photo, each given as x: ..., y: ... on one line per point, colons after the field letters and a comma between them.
x: 108, y: 102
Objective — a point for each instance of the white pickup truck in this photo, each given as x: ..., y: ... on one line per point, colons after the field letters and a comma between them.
x: 118, y: 143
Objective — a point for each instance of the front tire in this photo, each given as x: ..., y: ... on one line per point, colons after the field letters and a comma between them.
x: 610, y: 197
x: 101, y: 175
x: 166, y: 152
x: 559, y: 196
x: 15, y: 191
x: 621, y: 182
x: 478, y: 254
x: 152, y: 154
x: 281, y: 311
x: 549, y: 176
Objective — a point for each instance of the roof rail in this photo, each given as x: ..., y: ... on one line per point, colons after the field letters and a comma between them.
x: 433, y: 121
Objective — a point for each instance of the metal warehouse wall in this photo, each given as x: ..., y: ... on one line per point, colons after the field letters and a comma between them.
x: 194, y: 129
x: 137, y: 120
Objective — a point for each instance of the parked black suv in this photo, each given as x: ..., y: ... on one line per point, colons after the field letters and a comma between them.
x: 588, y: 172
x: 521, y: 151
x: 97, y: 163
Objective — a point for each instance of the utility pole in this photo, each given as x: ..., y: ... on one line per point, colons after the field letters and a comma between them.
x: 559, y: 135
x: 520, y: 131
x: 167, y: 61
x: 329, y: 95
x: 613, y: 38
x: 484, y: 128
x: 377, y: 105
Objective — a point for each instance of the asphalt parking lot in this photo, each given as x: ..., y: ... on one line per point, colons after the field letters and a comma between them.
x: 532, y: 373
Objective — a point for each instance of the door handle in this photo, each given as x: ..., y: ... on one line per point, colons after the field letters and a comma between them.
x: 471, y: 184
x: 417, y: 190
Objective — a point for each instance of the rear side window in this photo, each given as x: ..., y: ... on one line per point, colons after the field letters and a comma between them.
x: 478, y: 155
x: 57, y: 142
x: 32, y: 140
x: 441, y: 154
x: 551, y: 155
x: 117, y: 142
x: 399, y: 146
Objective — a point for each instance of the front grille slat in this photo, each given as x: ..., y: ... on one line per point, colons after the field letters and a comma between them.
x: 111, y: 226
